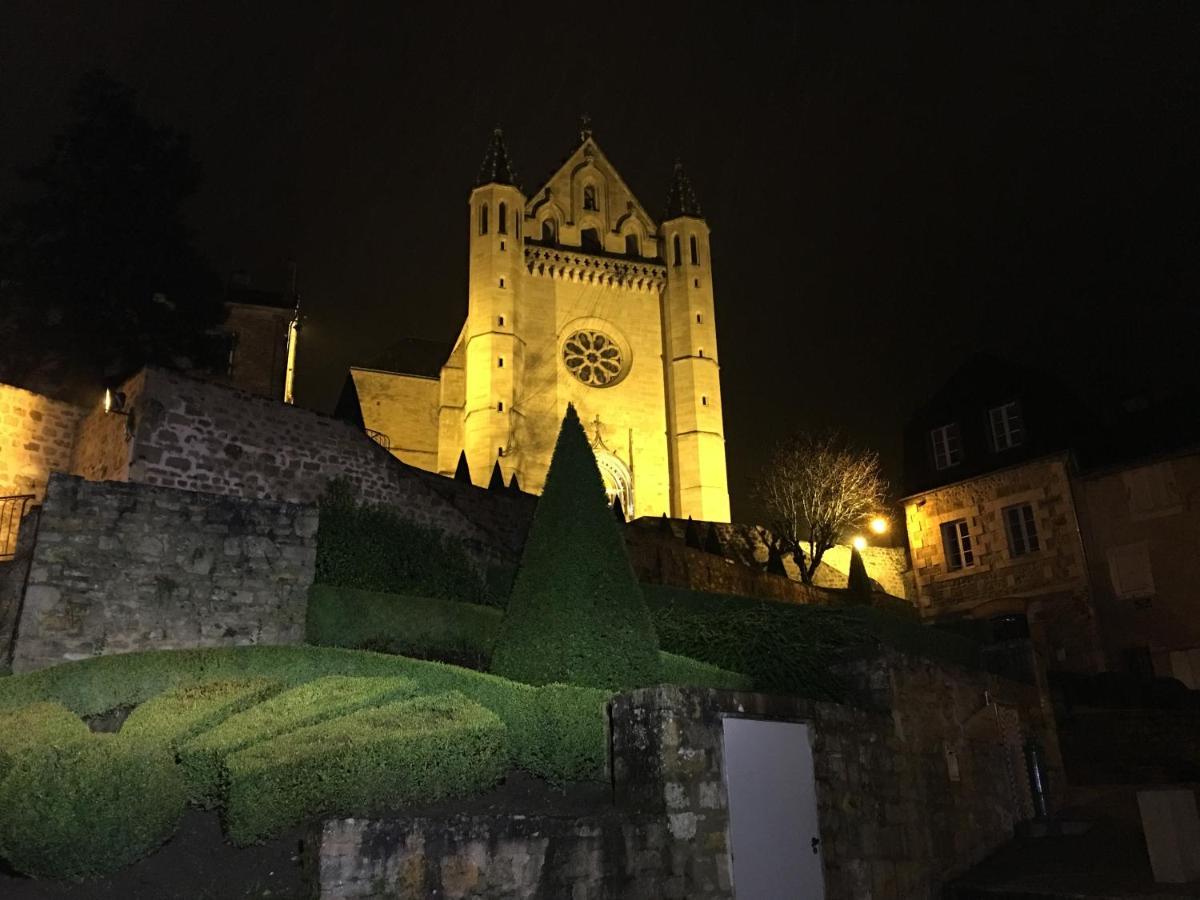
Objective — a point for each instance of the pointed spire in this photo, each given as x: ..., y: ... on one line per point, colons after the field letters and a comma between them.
x: 513, y: 484
x: 497, y: 482
x: 497, y: 166
x: 463, y: 472
x: 681, y: 199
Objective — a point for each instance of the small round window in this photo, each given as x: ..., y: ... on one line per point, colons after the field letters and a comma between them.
x: 593, y: 357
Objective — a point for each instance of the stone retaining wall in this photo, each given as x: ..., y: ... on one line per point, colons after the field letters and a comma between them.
x: 117, y: 567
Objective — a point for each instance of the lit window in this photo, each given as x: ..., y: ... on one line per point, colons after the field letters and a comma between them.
x: 1022, y: 530
x: 1007, y: 428
x: 947, y: 446
x: 956, y: 541
x: 1129, y: 566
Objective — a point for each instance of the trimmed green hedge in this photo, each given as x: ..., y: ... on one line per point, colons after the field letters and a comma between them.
x: 88, y: 807
x: 324, y: 698
x: 376, y: 548
x: 173, y: 717
x: 683, y: 670
x: 425, y: 627
x: 790, y: 648
x: 102, y: 683
x: 415, y: 751
x: 39, y: 725
x: 576, y: 614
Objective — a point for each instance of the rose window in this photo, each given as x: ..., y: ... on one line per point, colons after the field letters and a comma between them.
x: 592, y: 357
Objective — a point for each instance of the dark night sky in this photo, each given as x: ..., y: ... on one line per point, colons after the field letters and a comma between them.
x: 889, y: 186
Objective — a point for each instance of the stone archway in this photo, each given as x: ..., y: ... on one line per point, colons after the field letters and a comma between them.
x: 618, y: 480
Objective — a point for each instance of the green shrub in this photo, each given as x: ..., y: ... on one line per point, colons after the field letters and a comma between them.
x: 789, y: 648
x: 173, y: 717
x: 324, y: 698
x: 415, y: 751
x: 570, y: 733
x: 376, y: 548
x: 425, y: 627
x: 36, y: 725
x: 576, y: 614
x: 99, y: 684
x: 88, y: 807
x: 688, y: 672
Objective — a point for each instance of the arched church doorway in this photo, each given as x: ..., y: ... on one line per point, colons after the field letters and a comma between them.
x: 618, y: 480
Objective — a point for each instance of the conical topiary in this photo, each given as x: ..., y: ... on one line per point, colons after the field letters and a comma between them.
x: 618, y: 511
x: 497, y: 482
x: 691, y: 535
x: 513, y: 483
x: 463, y: 472
x: 712, y: 541
x: 858, y: 583
x: 576, y: 614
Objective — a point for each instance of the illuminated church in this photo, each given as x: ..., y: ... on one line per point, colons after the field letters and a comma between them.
x: 576, y: 295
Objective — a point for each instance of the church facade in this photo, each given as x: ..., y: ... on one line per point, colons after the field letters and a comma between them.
x: 576, y: 295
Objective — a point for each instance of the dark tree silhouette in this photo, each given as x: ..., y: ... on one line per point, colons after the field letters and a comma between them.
x: 98, y: 270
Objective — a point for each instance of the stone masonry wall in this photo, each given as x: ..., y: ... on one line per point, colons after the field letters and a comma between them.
x: 912, y: 789
x: 36, y: 437
x: 120, y: 567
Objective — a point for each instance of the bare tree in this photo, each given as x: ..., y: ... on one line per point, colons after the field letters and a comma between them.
x: 816, y: 489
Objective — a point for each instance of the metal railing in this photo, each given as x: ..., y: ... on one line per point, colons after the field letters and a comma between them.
x: 380, y: 438
x: 12, y: 510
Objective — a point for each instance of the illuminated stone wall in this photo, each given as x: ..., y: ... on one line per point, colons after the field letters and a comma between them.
x: 405, y: 408
x: 118, y: 567
x: 1049, y: 586
x: 36, y: 437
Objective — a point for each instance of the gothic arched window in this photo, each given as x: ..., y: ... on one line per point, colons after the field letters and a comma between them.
x: 589, y: 197
x: 549, y: 232
x: 589, y: 239
x: 632, y: 246
x: 502, y: 223
x: 691, y: 240
x: 677, y: 253
x: 483, y: 219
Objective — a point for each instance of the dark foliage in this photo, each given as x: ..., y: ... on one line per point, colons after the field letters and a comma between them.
x: 858, y: 583
x: 463, y: 471
x: 576, y: 614
x: 497, y: 481
x: 712, y: 541
x: 102, y: 276
x: 691, y: 535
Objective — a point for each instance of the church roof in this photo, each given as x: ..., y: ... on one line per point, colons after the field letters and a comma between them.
x: 413, y: 356
x: 681, y: 198
x: 497, y: 166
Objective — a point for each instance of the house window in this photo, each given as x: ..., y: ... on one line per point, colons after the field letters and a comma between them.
x: 956, y: 542
x: 589, y: 197
x: 1129, y: 567
x: 947, y: 446
x: 695, y: 251
x: 1022, y: 529
x: 1007, y: 428
x: 483, y: 219
x: 502, y: 219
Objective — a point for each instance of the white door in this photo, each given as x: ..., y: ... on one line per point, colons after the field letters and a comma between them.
x: 774, y: 831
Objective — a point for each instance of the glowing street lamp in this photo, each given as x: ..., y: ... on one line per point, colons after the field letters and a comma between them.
x: 859, y: 542
x: 879, y: 525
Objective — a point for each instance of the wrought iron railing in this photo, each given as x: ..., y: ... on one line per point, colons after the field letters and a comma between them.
x: 12, y: 510
x: 380, y: 438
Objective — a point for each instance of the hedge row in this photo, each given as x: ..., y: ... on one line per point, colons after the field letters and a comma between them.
x: 325, y: 698
x: 424, y: 627
x: 39, y: 725
x: 88, y: 806
x: 789, y: 648
x: 171, y: 718
x: 415, y: 751
x: 376, y: 548
x: 97, y: 685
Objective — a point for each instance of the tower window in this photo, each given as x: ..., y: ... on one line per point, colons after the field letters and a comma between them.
x: 500, y: 363
x: 700, y: 353
x: 500, y: 321
x: 502, y: 245
x: 501, y: 282
x: 590, y: 239
x: 699, y: 319
x: 703, y: 401
x: 499, y: 451
x: 589, y: 197
x: 695, y: 281
x: 500, y: 406
x: 695, y: 249
x: 483, y: 219
x: 502, y: 219
x: 549, y: 232
x: 632, y: 247
x: 676, y: 247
